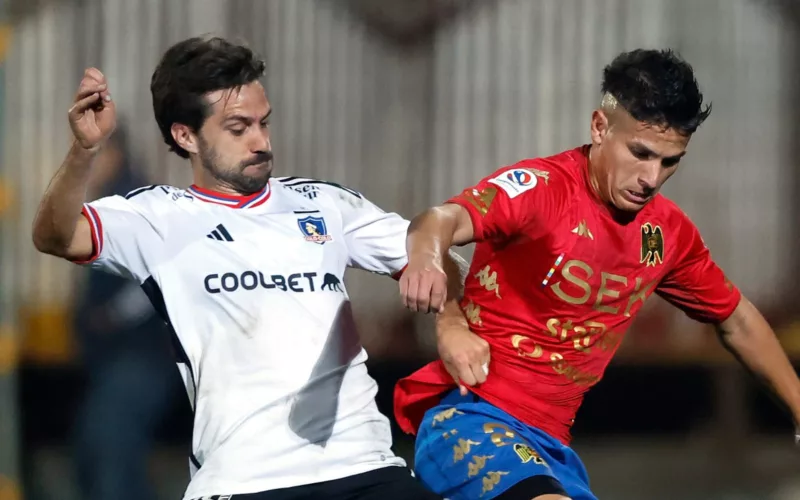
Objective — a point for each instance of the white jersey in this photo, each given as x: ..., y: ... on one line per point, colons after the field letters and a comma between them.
x: 253, y: 290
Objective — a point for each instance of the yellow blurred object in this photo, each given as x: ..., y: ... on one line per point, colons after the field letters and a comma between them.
x: 47, y: 336
x: 9, y: 350
x: 5, y: 40
x: 789, y: 337
x: 9, y: 489
x: 6, y: 197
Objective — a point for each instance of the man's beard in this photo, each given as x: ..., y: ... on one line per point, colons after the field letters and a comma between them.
x: 235, y: 177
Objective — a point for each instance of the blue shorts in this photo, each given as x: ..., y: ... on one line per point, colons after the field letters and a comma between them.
x: 467, y: 448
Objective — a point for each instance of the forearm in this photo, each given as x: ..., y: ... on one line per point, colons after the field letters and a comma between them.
x: 430, y: 235
x: 748, y: 335
x: 60, y: 208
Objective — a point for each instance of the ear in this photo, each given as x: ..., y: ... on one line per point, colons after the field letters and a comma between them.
x: 185, y: 137
x: 599, y: 126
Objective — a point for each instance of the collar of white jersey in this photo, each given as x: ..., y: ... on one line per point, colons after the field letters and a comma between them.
x: 231, y: 200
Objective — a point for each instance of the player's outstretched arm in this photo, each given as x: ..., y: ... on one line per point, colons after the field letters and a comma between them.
x: 748, y: 335
x: 59, y: 228
x: 424, y: 284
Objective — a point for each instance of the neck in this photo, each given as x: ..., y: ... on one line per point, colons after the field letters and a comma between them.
x: 592, y: 170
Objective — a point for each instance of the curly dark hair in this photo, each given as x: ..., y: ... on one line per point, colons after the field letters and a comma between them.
x: 657, y: 87
x: 192, y: 68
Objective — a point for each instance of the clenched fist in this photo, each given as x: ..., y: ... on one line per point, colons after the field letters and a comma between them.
x: 465, y: 356
x: 423, y: 286
x: 92, y: 116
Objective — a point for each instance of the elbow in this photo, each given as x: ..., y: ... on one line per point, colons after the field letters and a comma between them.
x: 46, y: 243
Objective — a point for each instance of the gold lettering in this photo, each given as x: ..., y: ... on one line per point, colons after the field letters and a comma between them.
x: 637, y: 295
x: 517, y: 340
x: 553, y: 324
x: 610, y: 340
x: 582, y: 340
x: 497, y: 437
x: 488, y: 280
x: 580, y: 283
x: 556, y: 360
x: 563, y: 367
x: 605, y: 291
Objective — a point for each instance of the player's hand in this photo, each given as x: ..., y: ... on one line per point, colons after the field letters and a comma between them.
x: 423, y: 286
x: 465, y: 356
x: 93, y: 115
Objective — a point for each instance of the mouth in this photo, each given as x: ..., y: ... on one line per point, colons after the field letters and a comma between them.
x: 636, y: 197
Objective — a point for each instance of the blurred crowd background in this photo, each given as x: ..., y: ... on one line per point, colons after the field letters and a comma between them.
x: 407, y: 101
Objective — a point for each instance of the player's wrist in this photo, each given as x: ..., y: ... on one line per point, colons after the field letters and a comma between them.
x: 84, y: 151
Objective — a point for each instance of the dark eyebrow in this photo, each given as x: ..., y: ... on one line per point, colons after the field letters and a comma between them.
x: 237, y: 118
x: 641, y: 148
x: 245, y: 119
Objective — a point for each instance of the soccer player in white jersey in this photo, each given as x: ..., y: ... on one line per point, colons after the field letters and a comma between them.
x: 248, y: 273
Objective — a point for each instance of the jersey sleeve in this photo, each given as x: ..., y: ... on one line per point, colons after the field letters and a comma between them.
x: 123, y: 239
x: 516, y: 199
x: 376, y: 239
x: 696, y: 284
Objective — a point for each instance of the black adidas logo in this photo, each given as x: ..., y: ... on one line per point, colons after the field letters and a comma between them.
x: 220, y: 234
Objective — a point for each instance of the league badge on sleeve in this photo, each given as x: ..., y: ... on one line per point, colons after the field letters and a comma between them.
x: 314, y: 229
x: 515, y: 181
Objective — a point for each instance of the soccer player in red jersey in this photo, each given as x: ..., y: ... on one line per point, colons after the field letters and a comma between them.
x: 568, y: 249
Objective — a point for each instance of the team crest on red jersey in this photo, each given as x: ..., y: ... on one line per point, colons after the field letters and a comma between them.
x: 652, y: 245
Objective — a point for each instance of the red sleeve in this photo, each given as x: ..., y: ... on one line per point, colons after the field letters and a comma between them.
x: 696, y: 285
x: 512, y: 200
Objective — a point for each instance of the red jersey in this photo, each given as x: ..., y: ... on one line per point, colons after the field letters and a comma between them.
x: 555, y: 282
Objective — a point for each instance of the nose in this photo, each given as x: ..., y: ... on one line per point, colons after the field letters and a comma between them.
x: 260, y: 142
x: 648, y: 177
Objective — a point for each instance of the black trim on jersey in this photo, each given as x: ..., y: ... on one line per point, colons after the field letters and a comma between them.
x: 306, y: 211
x: 140, y: 191
x: 153, y: 292
x: 146, y: 188
x: 316, y: 181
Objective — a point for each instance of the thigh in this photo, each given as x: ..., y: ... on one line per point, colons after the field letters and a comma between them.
x: 464, y: 452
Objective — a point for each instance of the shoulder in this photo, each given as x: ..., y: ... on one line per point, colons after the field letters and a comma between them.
x: 319, y: 190
x: 151, y: 202
x: 553, y: 180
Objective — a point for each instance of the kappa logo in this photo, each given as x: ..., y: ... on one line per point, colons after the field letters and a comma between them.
x: 314, y: 229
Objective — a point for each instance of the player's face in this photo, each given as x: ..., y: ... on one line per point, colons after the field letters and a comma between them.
x: 631, y: 159
x: 233, y: 143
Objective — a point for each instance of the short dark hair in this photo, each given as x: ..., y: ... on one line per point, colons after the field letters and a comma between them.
x: 192, y: 68
x: 657, y: 87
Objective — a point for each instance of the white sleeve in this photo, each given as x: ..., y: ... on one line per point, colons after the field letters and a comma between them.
x: 376, y: 239
x: 123, y: 238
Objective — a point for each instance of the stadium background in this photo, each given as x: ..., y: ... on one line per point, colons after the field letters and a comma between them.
x: 409, y: 101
